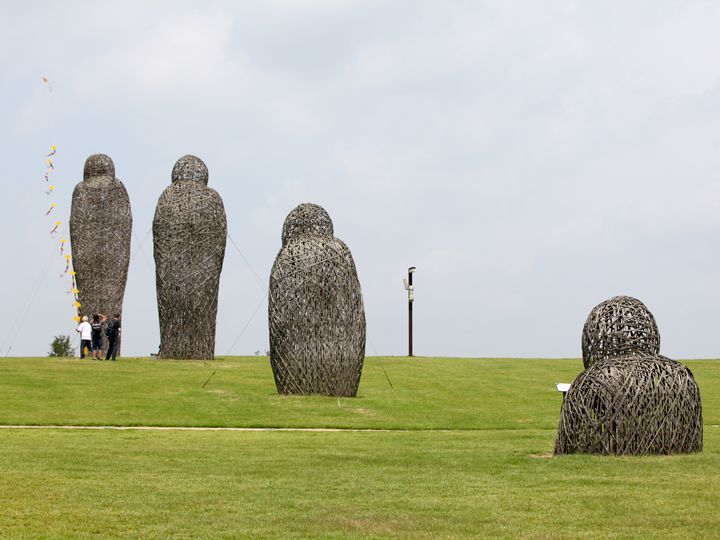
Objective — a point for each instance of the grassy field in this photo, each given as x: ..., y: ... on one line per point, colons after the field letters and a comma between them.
x: 467, y: 454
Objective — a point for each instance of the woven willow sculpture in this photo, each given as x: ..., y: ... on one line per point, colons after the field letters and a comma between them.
x: 316, y: 313
x: 100, y: 231
x: 621, y: 326
x: 632, y: 405
x: 629, y: 399
x: 189, y: 234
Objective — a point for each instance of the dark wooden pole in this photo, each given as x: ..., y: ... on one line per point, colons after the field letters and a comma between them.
x: 411, y: 297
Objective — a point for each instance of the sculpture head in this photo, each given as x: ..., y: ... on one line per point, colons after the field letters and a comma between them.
x: 619, y: 327
x: 306, y: 218
x: 190, y: 167
x: 98, y: 165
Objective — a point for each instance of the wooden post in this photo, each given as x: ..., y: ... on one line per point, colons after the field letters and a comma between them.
x: 411, y: 298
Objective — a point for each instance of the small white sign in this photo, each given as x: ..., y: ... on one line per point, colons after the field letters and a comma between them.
x: 562, y: 387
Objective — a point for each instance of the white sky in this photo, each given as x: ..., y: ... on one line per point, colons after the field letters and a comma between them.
x: 530, y: 158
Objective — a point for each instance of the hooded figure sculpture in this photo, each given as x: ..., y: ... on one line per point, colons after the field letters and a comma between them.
x: 100, y: 230
x: 189, y: 234
x: 316, y: 313
x: 630, y: 399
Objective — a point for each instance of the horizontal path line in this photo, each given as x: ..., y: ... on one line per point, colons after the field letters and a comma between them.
x: 270, y: 429
x: 251, y: 429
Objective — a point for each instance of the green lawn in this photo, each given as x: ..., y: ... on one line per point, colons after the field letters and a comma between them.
x: 483, y: 469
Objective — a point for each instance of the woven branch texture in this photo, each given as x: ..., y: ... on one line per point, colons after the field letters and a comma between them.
x: 632, y: 405
x: 189, y: 235
x: 621, y: 326
x: 316, y: 314
x: 100, y: 231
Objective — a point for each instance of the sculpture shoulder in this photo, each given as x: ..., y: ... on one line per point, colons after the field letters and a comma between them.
x: 344, y: 252
x: 181, y: 197
x: 89, y: 197
x: 309, y: 250
x: 163, y: 204
x: 342, y: 245
x: 118, y: 184
x: 216, y: 208
x: 88, y: 188
x: 339, y: 248
x: 215, y: 198
x: 213, y: 194
x: 181, y: 189
x: 167, y: 193
x: 78, y: 190
x: 311, y: 243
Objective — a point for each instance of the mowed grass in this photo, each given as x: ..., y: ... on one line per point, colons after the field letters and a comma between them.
x: 476, y: 462
x: 426, y: 393
x: 282, y: 484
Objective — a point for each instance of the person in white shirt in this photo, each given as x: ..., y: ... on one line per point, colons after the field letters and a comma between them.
x: 85, y: 331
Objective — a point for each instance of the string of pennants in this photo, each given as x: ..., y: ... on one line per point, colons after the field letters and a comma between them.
x: 50, y: 191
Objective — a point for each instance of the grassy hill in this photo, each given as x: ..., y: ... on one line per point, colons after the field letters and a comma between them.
x: 475, y: 462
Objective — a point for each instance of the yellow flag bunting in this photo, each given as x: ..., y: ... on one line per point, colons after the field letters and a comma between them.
x: 50, y: 190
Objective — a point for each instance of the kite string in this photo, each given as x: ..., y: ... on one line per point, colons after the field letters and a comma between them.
x: 139, y: 247
x: 247, y: 263
x: 380, y: 362
x: 246, y: 325
x: 261, y: 284
x: 29, y: 300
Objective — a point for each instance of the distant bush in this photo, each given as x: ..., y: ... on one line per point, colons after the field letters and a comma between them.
x: 61, y: 347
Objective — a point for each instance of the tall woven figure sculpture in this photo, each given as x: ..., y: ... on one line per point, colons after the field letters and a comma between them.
x: 100, y: 231
x: 630, y: 399
x: 621, y: 326
x: 189, y: 235
x: 316, y: 313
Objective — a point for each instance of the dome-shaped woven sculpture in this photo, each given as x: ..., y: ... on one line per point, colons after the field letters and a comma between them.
x: 189, y: 234
x: 632, y: 405
x: 316, y: 313
x: 100, y: 230
x: 619, y: 327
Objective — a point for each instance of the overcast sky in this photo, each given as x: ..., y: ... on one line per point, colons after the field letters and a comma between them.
x: 530, y: 158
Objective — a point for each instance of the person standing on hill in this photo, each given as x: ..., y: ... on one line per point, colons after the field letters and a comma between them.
x: 113, y: 334
x: 97, y: 340
x: 85, y: 331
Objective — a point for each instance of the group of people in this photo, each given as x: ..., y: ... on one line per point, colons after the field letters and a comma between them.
x: 91, y: 336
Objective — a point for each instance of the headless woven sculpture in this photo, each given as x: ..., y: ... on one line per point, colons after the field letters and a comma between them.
x: 100, y: 231
x: 189, y: 235
x: 630, y: 400
x: 621, y: 326
x: 316, y: 313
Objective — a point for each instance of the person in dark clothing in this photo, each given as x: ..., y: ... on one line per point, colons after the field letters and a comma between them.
x: 113, y: 334
x: 97, y: 340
